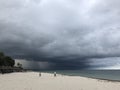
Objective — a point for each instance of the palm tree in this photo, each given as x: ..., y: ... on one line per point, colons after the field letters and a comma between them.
x: 19, y: 65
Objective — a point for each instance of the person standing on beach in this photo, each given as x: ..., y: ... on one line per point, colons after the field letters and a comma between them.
x: 40, y: 74
x: 54, y: 74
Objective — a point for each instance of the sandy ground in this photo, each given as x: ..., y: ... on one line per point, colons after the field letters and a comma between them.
x: 32, y: 81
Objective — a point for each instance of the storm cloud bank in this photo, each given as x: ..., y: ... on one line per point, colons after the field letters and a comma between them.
x: 67, y: 34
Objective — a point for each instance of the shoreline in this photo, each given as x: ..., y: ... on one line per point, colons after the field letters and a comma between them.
x: 95, y: 78
x: 30, y: 71
x: 102, y: 79
x: 32, y: 81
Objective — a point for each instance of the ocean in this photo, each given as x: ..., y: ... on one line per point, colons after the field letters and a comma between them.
x: 113, y: 75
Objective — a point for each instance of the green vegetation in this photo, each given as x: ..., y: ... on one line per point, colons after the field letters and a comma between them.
x: 6, y: 60
x: 7, y: 64
x: 19, y: 65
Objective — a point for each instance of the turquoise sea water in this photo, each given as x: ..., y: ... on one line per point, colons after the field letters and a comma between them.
x: 101, y: 74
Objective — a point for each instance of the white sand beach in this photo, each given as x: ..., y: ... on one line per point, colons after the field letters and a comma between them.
x: 32, y: 81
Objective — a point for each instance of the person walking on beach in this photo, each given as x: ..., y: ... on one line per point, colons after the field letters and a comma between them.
x: 40, y: 74
x: 54, y: 74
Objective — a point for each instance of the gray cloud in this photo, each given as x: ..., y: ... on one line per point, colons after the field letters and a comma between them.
x: 66, y: 33
x: 109, y: 63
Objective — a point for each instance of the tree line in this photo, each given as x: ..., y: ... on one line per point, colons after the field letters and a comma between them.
x: 6, y: 60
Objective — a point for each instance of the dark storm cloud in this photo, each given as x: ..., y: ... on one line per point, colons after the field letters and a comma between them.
x: 65, y: 33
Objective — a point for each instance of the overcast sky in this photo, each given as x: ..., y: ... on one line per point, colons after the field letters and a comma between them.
x: 61, y: 34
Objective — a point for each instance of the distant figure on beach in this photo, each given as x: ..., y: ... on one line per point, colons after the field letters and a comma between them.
x: 54, y: 74
x: 40, y: 74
